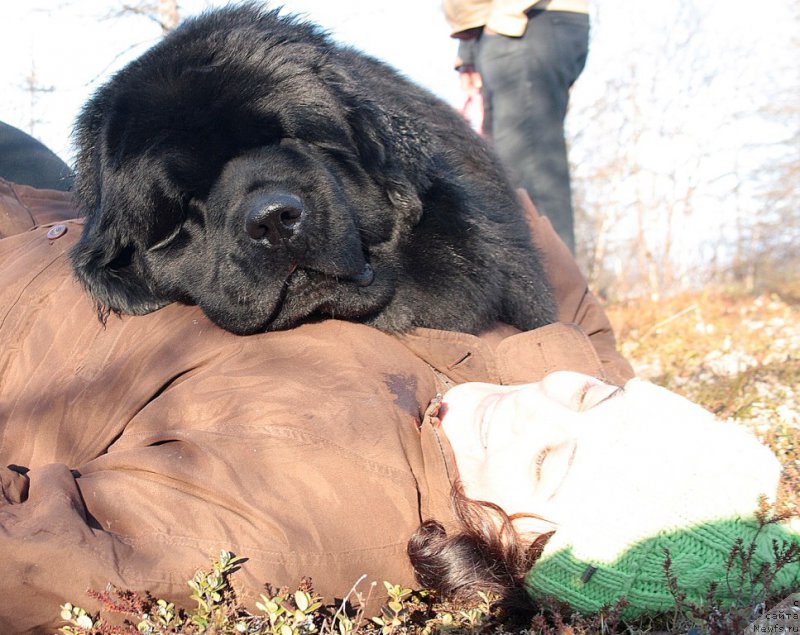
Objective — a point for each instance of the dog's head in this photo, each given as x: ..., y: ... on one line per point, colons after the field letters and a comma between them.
x: 236, y: 166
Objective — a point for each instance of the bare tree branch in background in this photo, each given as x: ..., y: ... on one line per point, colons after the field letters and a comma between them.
x: 769, y: 257
x: 165, y: 13
x: 666, y: 191
x: 34, y: 88
x: 651, y: 105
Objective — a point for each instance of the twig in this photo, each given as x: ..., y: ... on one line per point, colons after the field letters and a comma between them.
x: 344, y: 600
x: 691, y: 307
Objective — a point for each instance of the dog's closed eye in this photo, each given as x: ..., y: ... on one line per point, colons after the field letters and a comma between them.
x: 168, y: 240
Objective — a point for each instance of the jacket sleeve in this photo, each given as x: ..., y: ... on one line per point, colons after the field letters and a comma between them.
x: 503, y: 16
x: 575, y: 301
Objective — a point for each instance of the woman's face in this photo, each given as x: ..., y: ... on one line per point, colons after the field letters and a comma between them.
x: 517, y: 446
x: 600, y: 460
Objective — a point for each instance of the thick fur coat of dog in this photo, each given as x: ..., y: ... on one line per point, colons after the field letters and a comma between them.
x: 252, y: 166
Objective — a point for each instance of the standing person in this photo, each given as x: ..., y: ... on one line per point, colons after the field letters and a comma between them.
x: 524, y: 57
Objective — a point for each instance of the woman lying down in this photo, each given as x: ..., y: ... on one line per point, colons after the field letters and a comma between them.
x: 604, y: 482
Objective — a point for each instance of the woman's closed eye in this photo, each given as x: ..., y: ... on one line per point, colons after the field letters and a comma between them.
x: 594, y: 393
x: 551, y: 466
x: 539, y: 461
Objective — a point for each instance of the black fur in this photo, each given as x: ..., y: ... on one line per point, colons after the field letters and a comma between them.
x: 241, y: 107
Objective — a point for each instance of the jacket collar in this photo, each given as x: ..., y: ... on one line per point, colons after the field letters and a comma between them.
x: 503, y: 355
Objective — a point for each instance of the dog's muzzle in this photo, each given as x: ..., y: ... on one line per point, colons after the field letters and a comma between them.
x: 274, y: 218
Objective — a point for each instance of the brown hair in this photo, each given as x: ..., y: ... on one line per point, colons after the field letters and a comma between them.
x: 485, y: 553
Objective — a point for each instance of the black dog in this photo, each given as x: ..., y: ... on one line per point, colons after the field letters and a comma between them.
x: 250, y: 165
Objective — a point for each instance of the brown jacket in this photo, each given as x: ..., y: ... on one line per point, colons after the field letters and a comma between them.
x: 130, y: 454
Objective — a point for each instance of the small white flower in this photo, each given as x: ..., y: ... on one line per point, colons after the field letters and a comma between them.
x: 84, y: 621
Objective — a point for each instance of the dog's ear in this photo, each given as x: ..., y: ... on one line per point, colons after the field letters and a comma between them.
x: 106, y: 262
x: 384, y: 160
x: 112, y: 274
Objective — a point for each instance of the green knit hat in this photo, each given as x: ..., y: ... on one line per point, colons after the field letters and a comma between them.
x: 700, y: 556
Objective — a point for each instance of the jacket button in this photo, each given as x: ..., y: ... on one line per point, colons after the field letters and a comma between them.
x: 56, y: 231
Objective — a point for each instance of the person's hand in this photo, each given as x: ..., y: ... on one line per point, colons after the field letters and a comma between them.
x: 471, y: 82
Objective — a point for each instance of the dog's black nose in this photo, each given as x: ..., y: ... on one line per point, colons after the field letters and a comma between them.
x: 274, y: 218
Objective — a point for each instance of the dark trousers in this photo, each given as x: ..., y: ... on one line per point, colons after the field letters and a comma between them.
x: 526, y: 84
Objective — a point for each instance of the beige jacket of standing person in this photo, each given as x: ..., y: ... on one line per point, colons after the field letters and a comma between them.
x: 507, y: 17
x: 131, y: 453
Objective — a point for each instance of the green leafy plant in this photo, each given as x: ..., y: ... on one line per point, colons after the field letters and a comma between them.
x: 79, y: 620
x: 394, y: 614
x: 212, y: 592
x: 290, y: 615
